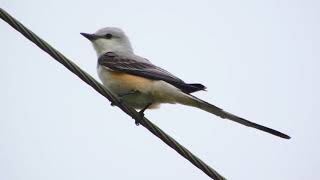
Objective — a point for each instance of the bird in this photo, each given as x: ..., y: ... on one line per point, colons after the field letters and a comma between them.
x: 142, y: 85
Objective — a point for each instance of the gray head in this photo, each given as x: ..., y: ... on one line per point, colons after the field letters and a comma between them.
x: 109, y: 39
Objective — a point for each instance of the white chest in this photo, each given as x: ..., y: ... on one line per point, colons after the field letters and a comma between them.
x: 105, y: 75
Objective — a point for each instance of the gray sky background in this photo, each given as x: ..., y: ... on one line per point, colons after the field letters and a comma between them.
x: 259, y: 60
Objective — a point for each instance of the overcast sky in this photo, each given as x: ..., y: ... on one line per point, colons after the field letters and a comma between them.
x: 259, y: 60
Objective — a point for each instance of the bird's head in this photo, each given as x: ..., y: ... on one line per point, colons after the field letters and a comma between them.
x: 109, y: 39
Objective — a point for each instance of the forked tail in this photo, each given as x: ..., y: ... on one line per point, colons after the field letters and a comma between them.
x: 196, y: 102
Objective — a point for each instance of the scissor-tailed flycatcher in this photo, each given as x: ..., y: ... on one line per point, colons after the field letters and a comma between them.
x: 142, y: 85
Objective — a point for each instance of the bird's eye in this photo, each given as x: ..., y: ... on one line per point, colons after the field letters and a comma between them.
x: 108, y: 36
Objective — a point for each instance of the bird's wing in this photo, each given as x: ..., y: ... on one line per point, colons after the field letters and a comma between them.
x: 138, y: 66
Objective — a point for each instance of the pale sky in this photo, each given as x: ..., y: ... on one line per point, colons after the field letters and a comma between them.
x: 259, y: 60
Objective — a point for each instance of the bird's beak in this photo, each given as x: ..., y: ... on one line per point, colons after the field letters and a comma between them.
x: 90, y: 36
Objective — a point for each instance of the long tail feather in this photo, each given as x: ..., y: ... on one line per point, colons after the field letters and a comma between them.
x: 226, y: 115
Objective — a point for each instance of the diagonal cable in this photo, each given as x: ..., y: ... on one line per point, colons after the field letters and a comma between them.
x: 111, y: 97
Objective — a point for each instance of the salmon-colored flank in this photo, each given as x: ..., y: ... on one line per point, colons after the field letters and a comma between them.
x: 131, y: 81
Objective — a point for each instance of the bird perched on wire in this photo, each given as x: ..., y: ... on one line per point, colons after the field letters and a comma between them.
x: 143, y: 85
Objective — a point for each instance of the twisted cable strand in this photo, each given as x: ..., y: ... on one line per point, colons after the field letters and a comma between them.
x: 109, y: 95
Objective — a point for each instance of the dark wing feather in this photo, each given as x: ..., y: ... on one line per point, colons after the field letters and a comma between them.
x: 138, y: 66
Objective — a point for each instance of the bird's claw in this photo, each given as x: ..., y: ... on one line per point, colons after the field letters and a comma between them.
x: 141, y: 116
x: 137, y: 122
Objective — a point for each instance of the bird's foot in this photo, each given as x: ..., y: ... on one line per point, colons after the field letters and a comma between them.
x: 141, y: 114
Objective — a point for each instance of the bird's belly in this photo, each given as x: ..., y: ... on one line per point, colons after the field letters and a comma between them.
x: 124, y: 85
